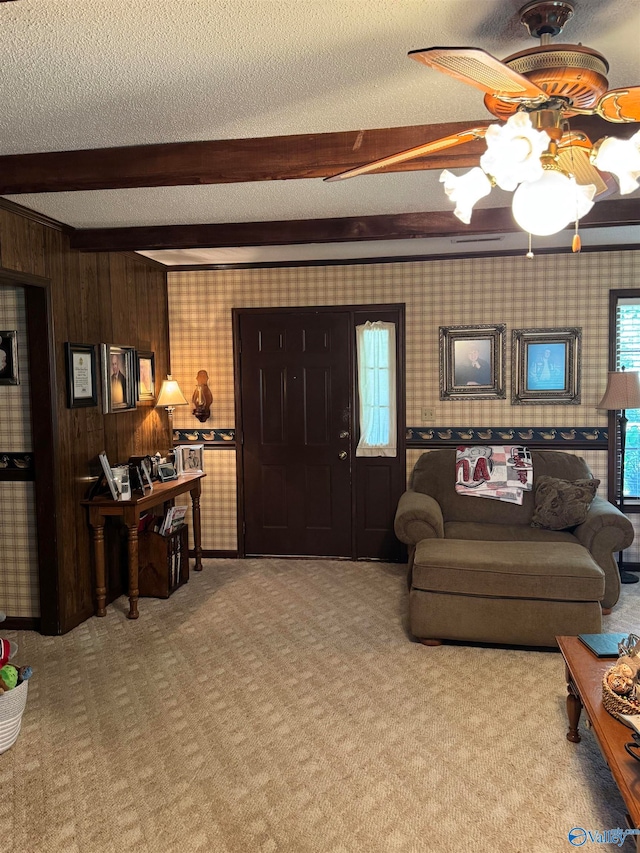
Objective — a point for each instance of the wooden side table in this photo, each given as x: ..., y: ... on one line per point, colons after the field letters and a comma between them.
x: 130, y: 511
x: 584, y: 673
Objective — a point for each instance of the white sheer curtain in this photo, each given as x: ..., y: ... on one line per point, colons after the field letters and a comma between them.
x: 376, y: 351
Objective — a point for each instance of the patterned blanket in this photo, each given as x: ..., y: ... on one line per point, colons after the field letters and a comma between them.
x: 500, y: 472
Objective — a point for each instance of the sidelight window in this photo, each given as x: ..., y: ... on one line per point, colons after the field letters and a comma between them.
x: 376, y: 354
x: 627, y: 355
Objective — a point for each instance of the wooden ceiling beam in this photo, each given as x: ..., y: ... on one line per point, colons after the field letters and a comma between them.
x: 239, y: 160
x: 400, y: 226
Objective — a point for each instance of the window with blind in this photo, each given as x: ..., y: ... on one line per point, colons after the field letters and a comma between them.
x: 627, y: 355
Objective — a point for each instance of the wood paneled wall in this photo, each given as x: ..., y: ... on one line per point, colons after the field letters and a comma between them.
x: 93, y: 298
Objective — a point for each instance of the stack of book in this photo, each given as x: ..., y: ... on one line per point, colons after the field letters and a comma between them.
x: 173, y: 519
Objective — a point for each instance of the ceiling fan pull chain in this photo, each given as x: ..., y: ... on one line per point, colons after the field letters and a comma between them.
x: 529, y: 253
x: 576, y: 243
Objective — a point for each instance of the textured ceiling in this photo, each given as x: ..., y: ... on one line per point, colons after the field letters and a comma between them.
x: 96, y: 74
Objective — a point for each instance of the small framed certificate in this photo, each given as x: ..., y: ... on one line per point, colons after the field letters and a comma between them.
x: 81, y: 375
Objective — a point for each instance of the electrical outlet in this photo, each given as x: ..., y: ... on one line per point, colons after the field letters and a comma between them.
x: 428, y: 415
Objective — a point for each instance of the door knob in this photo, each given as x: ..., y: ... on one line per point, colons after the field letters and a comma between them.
x: 343, y: 454
x: 344, y: 433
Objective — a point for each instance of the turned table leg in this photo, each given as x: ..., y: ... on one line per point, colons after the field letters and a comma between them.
x: 197, y: 532
x: 132, y: 531
x: 574, y: 708
x: 101, y: 583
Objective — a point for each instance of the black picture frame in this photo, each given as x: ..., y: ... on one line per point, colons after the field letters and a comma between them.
x: 546, y: 366
x: 119, y: 378
x: 472, y: 362
x: 82, y: 379
x: 146, y: 377
x: 9, y: 358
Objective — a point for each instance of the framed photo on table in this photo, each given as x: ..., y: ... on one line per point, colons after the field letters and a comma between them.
x: 9, y: 358
x: 472, y: 362
x: 108, y: 474
x: 189, y: 458
x: 82, y: 387
x: 546, y: 366
x: 119, y: 375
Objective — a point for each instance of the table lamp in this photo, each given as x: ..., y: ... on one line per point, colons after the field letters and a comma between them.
x: 622, y: 393
x: 170, y: 396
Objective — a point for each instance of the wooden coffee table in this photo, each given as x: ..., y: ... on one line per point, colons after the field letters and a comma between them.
x: 584, y: 672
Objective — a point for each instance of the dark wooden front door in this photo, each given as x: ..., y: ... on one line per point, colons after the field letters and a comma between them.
x: 295, y: 389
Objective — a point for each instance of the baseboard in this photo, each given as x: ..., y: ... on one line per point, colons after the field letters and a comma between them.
x: 212, y: 554
x: 20, y: 623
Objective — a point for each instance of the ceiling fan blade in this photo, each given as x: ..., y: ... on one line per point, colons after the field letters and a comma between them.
x: 413, y: 153
x: 480, y: 69
x: 574, y: 159
x: 620, y: 105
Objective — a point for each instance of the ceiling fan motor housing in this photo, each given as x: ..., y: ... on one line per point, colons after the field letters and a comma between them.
x: 570, y: 72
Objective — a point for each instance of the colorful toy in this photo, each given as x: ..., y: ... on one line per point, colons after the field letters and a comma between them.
x: 10, y: 676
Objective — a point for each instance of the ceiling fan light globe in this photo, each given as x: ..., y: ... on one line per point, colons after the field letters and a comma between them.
x: 513, y: 152
x: 551, y: 203
x: 465, y: 190
x: 621, y: 157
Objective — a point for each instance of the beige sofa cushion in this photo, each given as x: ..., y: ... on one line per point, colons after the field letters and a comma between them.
x: 559, y: 571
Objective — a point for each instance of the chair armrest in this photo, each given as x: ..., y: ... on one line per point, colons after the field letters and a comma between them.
x: 606, y: 531
x: 418, y: 517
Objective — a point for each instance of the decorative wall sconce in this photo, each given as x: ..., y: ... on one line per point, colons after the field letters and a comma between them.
x: 202, y: 397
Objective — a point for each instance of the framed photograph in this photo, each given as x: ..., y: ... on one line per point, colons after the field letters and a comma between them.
x: 108, y: 474
x: 9, y: 358
x: 146, y: 377
x: 146, y: 475
x: 82, y: 389
x: 189, y: 458
x: 472, y: 362
x: 166, y: 471
x: 546, y: 366
x: 119, y: 375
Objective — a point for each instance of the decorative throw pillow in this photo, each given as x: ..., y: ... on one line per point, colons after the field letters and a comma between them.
x: 562, y: 503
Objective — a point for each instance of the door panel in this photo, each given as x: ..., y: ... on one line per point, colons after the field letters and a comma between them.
x: 295, y: 389
x: 296, y: 392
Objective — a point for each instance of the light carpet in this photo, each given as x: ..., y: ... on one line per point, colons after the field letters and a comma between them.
x: 279, y: 706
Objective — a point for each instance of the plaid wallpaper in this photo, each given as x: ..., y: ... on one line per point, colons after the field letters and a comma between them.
x: 19, y: 590
x: 550, y: 291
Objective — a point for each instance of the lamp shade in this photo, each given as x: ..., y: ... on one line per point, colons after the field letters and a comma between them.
x: 170, y: 394
x: 623, y: 391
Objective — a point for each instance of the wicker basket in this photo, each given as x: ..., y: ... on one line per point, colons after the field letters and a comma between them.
x: 12, y: 705
x: 615, y: 704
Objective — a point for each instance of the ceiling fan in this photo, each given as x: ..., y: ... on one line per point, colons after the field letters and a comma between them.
x: 535, y: 92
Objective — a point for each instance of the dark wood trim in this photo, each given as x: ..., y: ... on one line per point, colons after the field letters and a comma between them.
x: 399, y: 226
x: 17, y: 475
x: 216, y: 554
x: 22, y: 279
x: 45, y: 444
x: 20, y: 623
x: 316, y: 155
x: 33, y: 215
x: 43, y: 425
x: 239, y: 439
